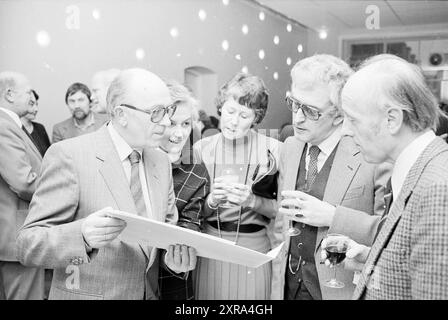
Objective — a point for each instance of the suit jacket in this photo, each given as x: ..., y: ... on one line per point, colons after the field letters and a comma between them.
x: 80, y: 176
x: 67, y: 129
x: 355, y: 187
x: 409, y: 259
x: 19, y: 167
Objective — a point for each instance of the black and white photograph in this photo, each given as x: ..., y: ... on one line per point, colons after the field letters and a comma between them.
x: 223, y: 155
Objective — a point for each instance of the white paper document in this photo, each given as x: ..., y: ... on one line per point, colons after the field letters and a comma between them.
x: 162, y: 235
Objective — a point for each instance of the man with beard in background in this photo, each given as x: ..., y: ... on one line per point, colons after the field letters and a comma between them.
x: 83, y: 120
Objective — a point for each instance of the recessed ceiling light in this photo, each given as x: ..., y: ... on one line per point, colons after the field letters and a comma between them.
x: 225, y: 45
x: 174, y: 32
x: 261, y: 16
x: 276, y: 40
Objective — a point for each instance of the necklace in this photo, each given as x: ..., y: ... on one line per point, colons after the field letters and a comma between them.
x: 245, y: 182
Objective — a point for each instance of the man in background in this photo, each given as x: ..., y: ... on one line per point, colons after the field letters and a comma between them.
x: 83, y: 120
x: 20, y: 163
x: 101, y: 81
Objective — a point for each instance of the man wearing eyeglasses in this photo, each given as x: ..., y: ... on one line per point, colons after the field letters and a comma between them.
x: 83, y: 179
x: 324, y: 184
x: 20, y: 163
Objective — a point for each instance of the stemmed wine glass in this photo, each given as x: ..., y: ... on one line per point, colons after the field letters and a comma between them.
x: 336, y: 247
x: 292, y: 230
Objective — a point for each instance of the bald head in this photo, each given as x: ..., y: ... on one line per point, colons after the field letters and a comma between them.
x: 136, y: 86
x: 101, y: 81
x: 15, y: 92
x: 386, y: 81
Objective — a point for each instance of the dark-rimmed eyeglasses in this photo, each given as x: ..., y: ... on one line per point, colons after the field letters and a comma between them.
x: 309, y: 112
x: 157, y: 113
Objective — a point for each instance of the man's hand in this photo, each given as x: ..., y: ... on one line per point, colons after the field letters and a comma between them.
x: 98, y: 229
x: 355, y: 257
x: 301, y: 207
x: 180, y: 258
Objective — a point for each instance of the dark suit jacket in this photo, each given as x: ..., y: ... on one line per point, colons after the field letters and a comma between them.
x: 20, y: 163
x: 67, y: 129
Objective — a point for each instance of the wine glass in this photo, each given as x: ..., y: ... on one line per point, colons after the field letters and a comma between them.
x: 292, y: 230
x: 336, y: 247
x: 230, y: 177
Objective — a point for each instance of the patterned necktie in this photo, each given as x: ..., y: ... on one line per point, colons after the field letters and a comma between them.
x: 136, y: 186
x: 388, y: 199
x: 312, y: 166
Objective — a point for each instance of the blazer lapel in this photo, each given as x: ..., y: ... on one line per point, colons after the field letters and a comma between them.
x: 112, y: 172
x: 22, y: 134
x: 345, y: 165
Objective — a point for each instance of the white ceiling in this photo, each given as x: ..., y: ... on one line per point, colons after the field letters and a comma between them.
x: 343, y: 14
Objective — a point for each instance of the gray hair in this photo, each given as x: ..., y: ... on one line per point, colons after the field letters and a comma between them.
x: 115, y: 93
x: 8, y: 80
x: 323, y: 69
x: 181, y: 94
x: 402, y: 85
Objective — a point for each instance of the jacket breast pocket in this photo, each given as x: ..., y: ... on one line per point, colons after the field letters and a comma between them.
x: 354, y: 193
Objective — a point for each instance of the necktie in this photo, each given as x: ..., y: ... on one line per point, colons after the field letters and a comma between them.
x: 388, y: 199
x: 135, y: 185
x: 312, y: 166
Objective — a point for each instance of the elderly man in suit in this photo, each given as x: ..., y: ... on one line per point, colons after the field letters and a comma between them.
x: 324, y: 184
x: 20, y: 163
x: 391, y: 114
x: 83, y: 119
x: 82, y: 179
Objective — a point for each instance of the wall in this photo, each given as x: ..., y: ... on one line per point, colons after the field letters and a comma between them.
x: 111, y: 31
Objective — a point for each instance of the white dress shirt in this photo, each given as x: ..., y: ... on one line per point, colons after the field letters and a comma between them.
x: 13, y: 116
x: 326, y: 148
x: 407, y: 158
x: 124, y: 150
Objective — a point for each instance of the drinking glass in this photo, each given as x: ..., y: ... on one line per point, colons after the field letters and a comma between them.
x: 292, y: 230
x: 230, y: 177
x: 336, y: 247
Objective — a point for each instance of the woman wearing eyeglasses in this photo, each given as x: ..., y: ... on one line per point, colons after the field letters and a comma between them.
x: 235, y: 158
x: 190, y: 181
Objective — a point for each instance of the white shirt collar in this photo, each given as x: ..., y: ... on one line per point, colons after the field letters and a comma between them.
x: 407, y: 158
x: 13, y: 116
x: 123, y: 148
x: 327, y: 146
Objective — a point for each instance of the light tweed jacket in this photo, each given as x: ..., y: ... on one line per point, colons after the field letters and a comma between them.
x: 19, y: 166
x: 80, y: 176
x: 409, y: 259
x: 355, y: 187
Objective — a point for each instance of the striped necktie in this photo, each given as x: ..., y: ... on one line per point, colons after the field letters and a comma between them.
x: 135, y: 184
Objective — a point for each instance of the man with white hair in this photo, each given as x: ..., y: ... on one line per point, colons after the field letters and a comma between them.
x: 83, y: 179
x: 391, y: 115
x: 324, y: 185
x: 20, y: 163
x: 101, y: 81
